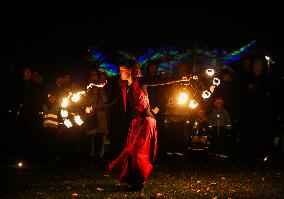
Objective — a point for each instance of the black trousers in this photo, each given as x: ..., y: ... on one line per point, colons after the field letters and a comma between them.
x: 219, y: 140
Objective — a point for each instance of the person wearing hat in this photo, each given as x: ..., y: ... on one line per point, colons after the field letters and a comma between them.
x: 220, y: 123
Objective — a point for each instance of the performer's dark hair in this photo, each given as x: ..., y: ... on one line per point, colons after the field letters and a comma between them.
x: 135, y: 68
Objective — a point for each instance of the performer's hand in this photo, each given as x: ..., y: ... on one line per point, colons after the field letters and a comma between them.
x: 89, y: 109
x: 155, y: 110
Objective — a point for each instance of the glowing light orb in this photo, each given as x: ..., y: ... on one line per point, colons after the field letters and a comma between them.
x: 269, y: 59
x: 192, y: 104
x: 64, y: 113
x: 206, y: 94
x: 210, y: 72
x: 183, y: 97
x: 65, y: 102
x: 212, y: 88
x: 67, y: 123
x: 78, y: 120
x: 265, y: 159
x: 76, y: 96
x: 89, y: 109
x: 20, y: 164
x: 216, y: 81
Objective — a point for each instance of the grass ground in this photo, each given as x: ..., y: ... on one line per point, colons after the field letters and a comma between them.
x: 190, y: 176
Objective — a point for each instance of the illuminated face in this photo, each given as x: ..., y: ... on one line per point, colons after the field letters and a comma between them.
x: 27, y: 74
x: 218, y: 103
x: 51, y: 99
x: 125, y: 73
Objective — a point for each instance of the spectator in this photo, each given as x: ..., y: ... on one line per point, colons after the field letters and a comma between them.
x: 220, y: 122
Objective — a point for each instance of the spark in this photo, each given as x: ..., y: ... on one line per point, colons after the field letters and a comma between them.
x: 195, y: 77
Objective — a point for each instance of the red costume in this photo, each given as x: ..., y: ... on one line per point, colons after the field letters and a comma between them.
x: 136, y: 159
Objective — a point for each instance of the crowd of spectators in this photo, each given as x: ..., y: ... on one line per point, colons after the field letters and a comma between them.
x: 250, y: 120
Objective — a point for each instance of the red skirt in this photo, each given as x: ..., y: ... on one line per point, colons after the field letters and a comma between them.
x: 136, y: 159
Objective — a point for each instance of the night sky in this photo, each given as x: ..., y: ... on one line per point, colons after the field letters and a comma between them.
x: 52, y: 38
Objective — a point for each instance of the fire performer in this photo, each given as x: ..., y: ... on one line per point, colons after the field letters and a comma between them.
x: 136, y: 159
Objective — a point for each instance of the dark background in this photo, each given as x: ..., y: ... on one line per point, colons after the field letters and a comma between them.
x: 46, y: 36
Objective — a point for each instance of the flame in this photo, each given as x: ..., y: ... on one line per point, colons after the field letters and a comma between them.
x: 67, y: 123
x: 210, y: 72
x: 100, y: 85
x: 78, y: 120
x: 183, y: 97
x: 96, y: 85
x: 206, y: 94
x: 76, y: 96
x: 20, y: 164
x: 90, y: 85
x: 192, y: 104
x: 216, y: 82
x: 89, y: 109
x: 64, y: 113
x: 65, y: 102
x: 212, y: 88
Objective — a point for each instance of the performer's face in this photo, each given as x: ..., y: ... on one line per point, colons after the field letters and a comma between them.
x: 125, y: 73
